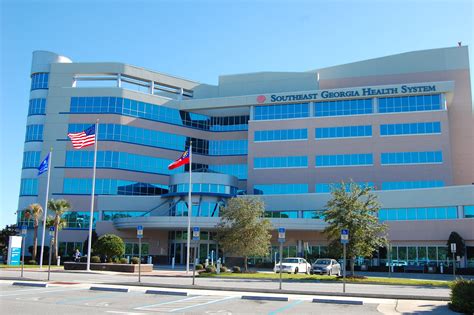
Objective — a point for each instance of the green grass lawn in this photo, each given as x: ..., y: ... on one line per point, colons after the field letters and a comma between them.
x: 303, y: 277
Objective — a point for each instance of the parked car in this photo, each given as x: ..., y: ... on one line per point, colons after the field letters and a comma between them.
x: 397, y: 263
x: 326, y: 266
x: 293, y: 265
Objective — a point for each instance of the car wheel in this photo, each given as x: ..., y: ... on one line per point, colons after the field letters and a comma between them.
x: 296, y: 270
x: 330, y: 272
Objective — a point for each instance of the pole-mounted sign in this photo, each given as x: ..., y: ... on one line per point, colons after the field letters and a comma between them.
x: 140, y: 231
x: 344, y: 236
x: 51, y: 231
x: 281, y: 234
x: 196, y: 233
x: 24, y: 230
x: 453, y: 247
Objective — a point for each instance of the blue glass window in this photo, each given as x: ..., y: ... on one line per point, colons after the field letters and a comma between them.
x: 409, y: 103
x: 343, y: 107
x: 228, y: 147
x: 411, y: 157
x: 237, y: 170
x: 280, y: 135
x: 280, y: 162
x: 412, y: 184
x: 112, y: 215
x: 31, y: 159
x: 39, y: 81
x: 37, y: 106
x: 343, y: 132
x: 280, y: 189
x: 34, y: 133
x: 120, y: 160
x: 107, y: 186
x: 469, y: 211
x: 282, y: 111
x: 133, y: 108
x: 344, y: 160
x: 204, y: 188
x: 432, y: 213
x: 79, y: 220
x: 29, y: 187
x: 204, y: 209
x: 313, y: 214
x: 326, y: 187
x: 411, y: 128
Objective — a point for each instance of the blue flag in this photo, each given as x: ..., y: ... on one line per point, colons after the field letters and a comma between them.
x: 43, y: 166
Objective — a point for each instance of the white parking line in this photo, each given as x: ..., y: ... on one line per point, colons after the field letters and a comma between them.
x: 39, y: 291
x: 210, y: 302
x: 164, y: 303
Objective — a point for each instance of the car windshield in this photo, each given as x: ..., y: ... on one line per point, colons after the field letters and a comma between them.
x: 290, y: 260
x: 323, y: 262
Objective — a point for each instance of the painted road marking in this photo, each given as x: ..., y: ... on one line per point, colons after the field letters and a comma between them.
x: 41, y: 291
x: 210, y: 302
x: 286, y: 307
x: 164, y: 303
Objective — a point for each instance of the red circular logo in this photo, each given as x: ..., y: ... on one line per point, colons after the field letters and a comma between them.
x: 261, y: 99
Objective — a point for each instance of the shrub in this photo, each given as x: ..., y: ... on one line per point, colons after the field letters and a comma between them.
x: 135, y: 260
x: 84, y: 258
x: 236, y: 269
x: 199, y: 267
x: 31, y: 262
x: 223, y: 269
x: 462, y: 296
x: 95, y: 259
x: 110, y: 245
x: 123, y: 260
x: 210, y: 269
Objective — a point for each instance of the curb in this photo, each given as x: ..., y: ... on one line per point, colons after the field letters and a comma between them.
x: 166, y: 292
x: 297, y: 292
x: 264, y: 298
x: 352, y: 302
x: 31, y: 284
x: 110, y: 289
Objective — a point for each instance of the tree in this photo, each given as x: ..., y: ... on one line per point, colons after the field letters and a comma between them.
x: 110, y: 245
x: 9, y: 230
x: 355, y: 210
x: 95, y: 237
x: 36, y: 212
x: 454, y: 237
x: 59, y: 207
x: 243, y: 229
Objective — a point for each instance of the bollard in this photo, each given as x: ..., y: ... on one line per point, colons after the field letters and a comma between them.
x: 59, y: 261
x: 150, y: 260
x: 172, y: 263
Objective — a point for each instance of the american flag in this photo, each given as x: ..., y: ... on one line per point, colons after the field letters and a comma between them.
x: 84, y: 138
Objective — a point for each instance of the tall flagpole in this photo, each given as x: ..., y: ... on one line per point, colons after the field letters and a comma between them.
x: 45, y: 209
x: 190, y: 204
x: 91, y: 220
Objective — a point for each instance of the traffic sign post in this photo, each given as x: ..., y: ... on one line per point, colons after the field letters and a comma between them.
x: 344, y: 241
x: 24, y: 231
x: 453, y: 251
x: 281, y: 240
x: 51, y: 234
x: 140, y: 236
x: 196, y: 238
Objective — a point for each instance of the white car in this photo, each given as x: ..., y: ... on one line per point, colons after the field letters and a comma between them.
x: 293, y: 265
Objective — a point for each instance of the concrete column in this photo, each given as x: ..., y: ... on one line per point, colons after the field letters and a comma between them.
x: 119, y: 80
x: 152, y: 87
x: 252, y: 112
x: 311, y: 109
x: 460, y: 212
x: 375, y: 105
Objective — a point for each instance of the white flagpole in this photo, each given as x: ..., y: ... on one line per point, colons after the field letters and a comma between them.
x: 190, y: 204
x: 45, y: 209
x: 91, y: 220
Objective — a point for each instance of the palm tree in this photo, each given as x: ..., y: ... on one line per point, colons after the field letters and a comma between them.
x: 36, y: 212
x: 59, y: 207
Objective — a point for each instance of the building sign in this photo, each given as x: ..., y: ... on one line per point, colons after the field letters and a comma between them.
x: 350, y: 93
x: 14, y: 250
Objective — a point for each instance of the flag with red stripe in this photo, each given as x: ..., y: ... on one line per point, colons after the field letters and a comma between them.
x: 183, y: 159
x: 83, y: 139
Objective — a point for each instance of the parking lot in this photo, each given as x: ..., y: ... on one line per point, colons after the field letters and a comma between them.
x: 77, y: 298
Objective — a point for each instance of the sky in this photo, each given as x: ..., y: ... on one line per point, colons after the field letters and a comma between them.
x: 200, y: 40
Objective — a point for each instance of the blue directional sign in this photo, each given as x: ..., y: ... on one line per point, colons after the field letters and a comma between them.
x: 51, y: 231
x: 140, y: 231
x: 196, y: 233
x: 24, y: 230
x: 281, y: 234
x: 344, y: 236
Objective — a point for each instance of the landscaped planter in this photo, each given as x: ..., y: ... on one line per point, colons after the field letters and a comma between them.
x: 108, y: 267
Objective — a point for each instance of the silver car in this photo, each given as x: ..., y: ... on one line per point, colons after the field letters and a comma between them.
x: 326, y: 266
